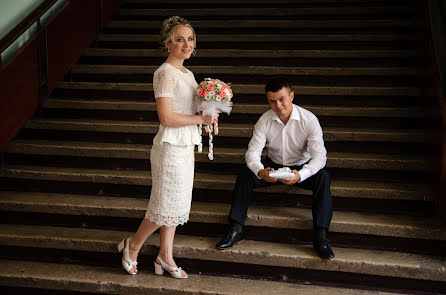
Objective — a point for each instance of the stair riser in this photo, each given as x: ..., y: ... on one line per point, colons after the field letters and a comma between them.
x: 268, y: 60
x: 219, y: 141
x: 123, y: 28
x: 267, y: 3
x: 321, y: 45
x: 302, y: 99
x: 263, y: 4
x: 287, y: 14
x: 239, y: 109
x: 255, y: 71
x: 216, y: 230
x: 265, y: 38
x: 151, y: 116
x: 308, y: 80
x: 230, y: 131
x: 139, y: 160
x: 407, y: 206
x: 414, y: 112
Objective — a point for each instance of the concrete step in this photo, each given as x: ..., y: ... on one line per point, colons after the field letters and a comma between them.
x: 106, y: 280
x: 339, y: 188
x: 349, y: 2
x: 238, y: 108
x: 250, y: 70
x: 256, y: 89
x: 269, y: 12
x: 355, y: 261
x: 270, y: 38
x: 251, y: 54
x: 384, y: 225
x: 222, y: 155
x: 276, y: 24
x: 226, y: 130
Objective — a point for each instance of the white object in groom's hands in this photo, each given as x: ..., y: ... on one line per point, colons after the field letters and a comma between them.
x: 284, y: 172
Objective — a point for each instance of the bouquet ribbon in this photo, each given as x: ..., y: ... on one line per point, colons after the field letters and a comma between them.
x: 212, y: 108
x: 214, y: 96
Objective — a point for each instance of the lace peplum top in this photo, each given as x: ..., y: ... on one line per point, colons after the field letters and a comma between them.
x: 168, y: 81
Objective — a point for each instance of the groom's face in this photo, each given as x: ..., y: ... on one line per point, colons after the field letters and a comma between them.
x: 281, y: 102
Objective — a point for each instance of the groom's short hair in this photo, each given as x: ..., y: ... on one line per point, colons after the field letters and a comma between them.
x: 277, y: 83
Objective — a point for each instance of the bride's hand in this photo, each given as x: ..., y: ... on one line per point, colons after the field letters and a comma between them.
x: 207, y: 120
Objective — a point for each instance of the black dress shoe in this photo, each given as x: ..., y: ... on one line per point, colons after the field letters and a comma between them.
x: 234, y: 235
x: 323, y: 249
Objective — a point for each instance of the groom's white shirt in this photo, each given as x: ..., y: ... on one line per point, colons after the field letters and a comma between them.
x: 293, y: 144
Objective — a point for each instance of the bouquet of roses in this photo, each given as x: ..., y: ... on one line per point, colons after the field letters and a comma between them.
x: 214, y: 97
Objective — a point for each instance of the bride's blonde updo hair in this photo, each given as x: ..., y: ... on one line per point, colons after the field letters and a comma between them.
x: 170, y: 26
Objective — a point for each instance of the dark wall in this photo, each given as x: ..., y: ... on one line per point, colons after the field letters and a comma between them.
x: 18, y: 92
x: 431, y: 30
x: 68, y: 36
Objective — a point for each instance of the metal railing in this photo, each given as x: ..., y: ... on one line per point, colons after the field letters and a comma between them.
x: 29, y: 29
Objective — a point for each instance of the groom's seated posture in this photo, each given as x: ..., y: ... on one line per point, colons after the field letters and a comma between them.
x: 293, y: 137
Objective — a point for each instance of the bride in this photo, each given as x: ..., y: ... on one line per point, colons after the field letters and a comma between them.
x: 172, y: 154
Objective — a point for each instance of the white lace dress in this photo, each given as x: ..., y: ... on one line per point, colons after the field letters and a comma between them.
x: 172, y: 155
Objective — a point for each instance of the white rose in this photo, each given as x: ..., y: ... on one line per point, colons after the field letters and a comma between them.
x: 211, y: 95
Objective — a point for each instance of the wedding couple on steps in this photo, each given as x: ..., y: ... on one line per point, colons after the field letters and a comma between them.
x: 292, y: 135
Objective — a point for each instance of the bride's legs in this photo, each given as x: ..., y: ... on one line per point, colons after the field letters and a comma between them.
x: 146, y: 228
x: 167, y: 235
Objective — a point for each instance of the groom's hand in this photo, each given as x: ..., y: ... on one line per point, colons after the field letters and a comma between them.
x: 264, y: 174
x: 291, y: 180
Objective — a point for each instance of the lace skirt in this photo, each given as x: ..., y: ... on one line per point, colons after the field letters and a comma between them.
x: 172, y: 182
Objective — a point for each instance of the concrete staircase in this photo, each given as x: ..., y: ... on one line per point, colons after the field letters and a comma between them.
x: 76, y: 180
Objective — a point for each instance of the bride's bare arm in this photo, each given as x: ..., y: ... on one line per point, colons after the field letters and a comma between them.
x: 167, y: 117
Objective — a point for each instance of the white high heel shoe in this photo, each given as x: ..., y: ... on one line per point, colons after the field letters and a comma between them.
x: 174, y: 271
x: 127, y: 263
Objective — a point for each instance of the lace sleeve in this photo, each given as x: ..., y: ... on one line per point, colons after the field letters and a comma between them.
x: 163, y: 84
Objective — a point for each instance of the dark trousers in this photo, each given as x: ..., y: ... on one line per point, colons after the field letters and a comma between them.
x: 319, y: 184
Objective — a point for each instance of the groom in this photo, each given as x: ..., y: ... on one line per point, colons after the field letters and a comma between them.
x: 293, y: 137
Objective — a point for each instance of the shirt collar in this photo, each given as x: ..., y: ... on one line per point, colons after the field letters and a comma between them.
x: 294, y: 115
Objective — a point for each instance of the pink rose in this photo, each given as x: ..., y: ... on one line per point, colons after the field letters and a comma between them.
x: 202, y: 92
x: 224, y: 85
x: 222, y: 93
x: 202, y: 83
x: 210, y: 87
